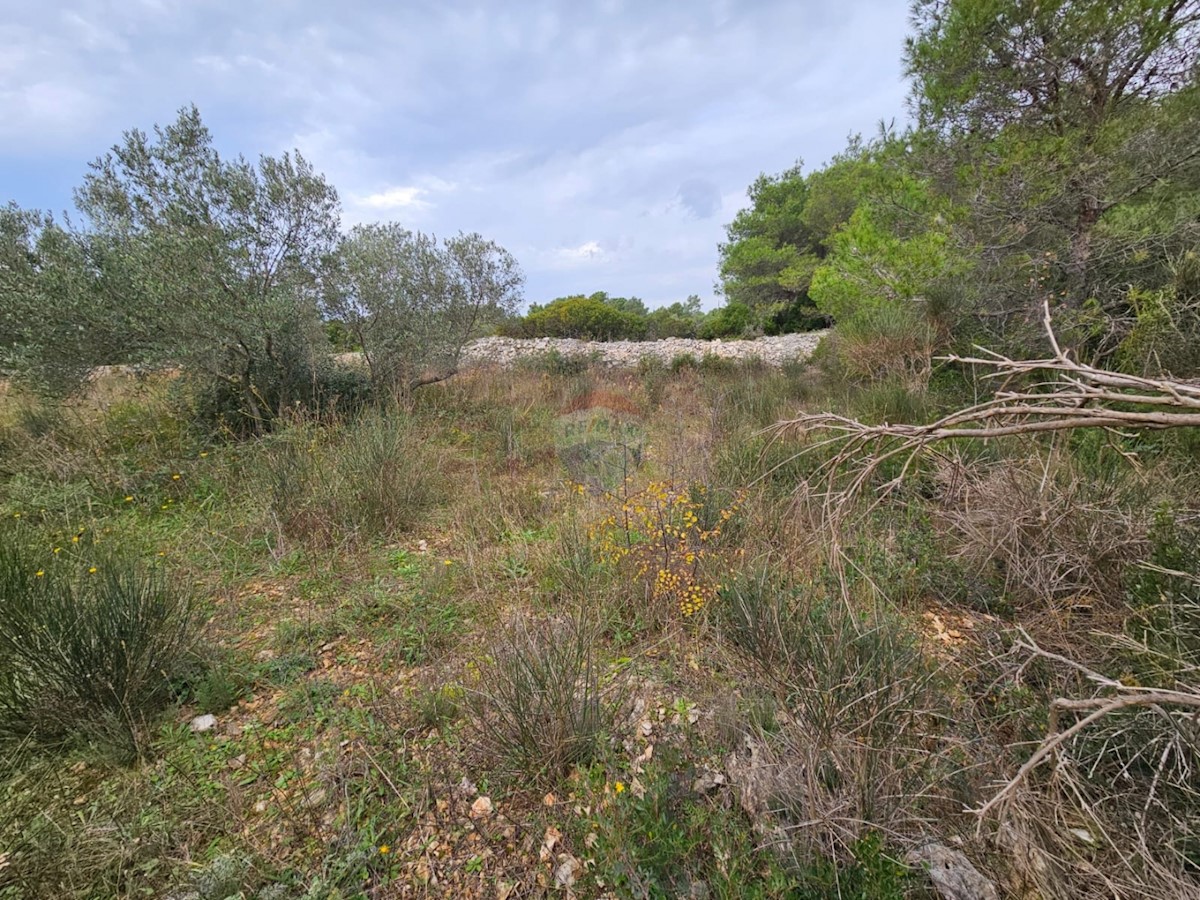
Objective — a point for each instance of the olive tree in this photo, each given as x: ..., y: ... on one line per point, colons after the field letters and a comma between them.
x: 211, y: 263
x: 413, y: 302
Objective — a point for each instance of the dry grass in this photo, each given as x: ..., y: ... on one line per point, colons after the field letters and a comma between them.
x: 1051, y: 532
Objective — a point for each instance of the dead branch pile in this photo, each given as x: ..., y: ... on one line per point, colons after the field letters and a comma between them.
x: 1034, y: 396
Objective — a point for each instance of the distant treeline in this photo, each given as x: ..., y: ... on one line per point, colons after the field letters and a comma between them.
x: 599, y: 317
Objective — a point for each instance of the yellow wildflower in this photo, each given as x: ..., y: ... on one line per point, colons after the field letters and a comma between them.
x: 384, y: 849
x: 40, y: 573
x: 619, y: 787
x: 91, y: 570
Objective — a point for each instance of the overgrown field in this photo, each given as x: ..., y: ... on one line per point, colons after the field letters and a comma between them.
x: 559, y: 631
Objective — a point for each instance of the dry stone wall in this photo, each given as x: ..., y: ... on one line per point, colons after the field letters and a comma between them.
x: 774, y: 351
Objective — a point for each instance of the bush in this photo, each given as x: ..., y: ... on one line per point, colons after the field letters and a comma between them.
x: 789, y: 318
x: 218, y: 407
x: 538, y: 700
x: 87, y: 653
x: 556, y: 363
x: 887, y: 342
x: 375, y: 477
x: 1053, y: 532
x: 731, y: 320
x: 860, y: 748
x: 586, y: 318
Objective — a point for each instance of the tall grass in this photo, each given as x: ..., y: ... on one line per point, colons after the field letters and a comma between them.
x: 373, y: 477
x: 859, y: 747
x: 87, y: 652
x: 538, y: 699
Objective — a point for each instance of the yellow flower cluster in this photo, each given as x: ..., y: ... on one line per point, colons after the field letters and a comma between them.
x: 664, y: 535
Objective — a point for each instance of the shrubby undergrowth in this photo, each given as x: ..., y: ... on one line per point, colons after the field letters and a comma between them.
x: 92, y: 644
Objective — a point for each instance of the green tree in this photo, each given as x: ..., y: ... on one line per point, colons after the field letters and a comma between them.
x: 676, y: 320
x: 1054, y: 65
x: 776, y: 245
x: 1050, y: 122
x: 412, y: 302
x: 586, y: 318
x: 768, y: 256
x: 209, y: 263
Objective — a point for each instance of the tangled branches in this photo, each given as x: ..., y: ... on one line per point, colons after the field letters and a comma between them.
x: 1069, y: 395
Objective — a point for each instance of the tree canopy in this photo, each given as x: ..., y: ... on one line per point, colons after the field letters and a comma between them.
x: 228, y: 268
x: 1054, y: 158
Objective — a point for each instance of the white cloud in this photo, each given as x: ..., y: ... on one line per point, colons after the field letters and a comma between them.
x: 394, y: 198
x: 587, y: 253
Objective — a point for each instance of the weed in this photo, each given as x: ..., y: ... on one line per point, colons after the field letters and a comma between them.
x: 86, y: 650
x: 537, y: 699
x: 653, y: 836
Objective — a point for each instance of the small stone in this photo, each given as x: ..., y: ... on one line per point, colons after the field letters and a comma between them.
x: 482, y: 808
x: 708, y: 781
x: 953, y: 876
x: 467, y: 788
x: 206, y: 722
x: 316, y: 799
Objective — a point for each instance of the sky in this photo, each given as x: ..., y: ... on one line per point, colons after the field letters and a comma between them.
x: 605, y: 144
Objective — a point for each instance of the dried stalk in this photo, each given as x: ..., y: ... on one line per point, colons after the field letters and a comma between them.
x: 1071, y: 395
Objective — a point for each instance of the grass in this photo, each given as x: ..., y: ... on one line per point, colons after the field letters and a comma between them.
x: 92, y: 644
x: 412, y: 607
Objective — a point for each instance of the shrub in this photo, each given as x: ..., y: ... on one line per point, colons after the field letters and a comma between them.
x: 586, y: 318
x: 1049, y: 530
x: 89, y: 653
x: 373, y: 478
x: 666, y: 537
x: 683, y: 361
x: 885, y: 342
x: 798, y: 315
x: 556, y: 363
x: 731, y: 320
x: 860, y: 747
x: 538, y: 698
x: 218, y: 407
x: 712, y: 364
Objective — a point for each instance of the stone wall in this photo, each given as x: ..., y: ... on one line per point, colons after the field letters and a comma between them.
x: 774, y: 351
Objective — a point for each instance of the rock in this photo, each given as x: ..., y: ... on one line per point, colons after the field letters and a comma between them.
x: 482, y: 808
x: 773, y: 351
x: 952, y: 874
x: 315, y: 799
x: 708, y: 781
x: 206, y: 722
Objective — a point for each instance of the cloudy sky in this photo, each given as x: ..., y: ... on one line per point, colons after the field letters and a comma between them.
x: 606, y: 144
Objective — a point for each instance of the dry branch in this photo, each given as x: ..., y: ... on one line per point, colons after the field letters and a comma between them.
x: 1067, y: 395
